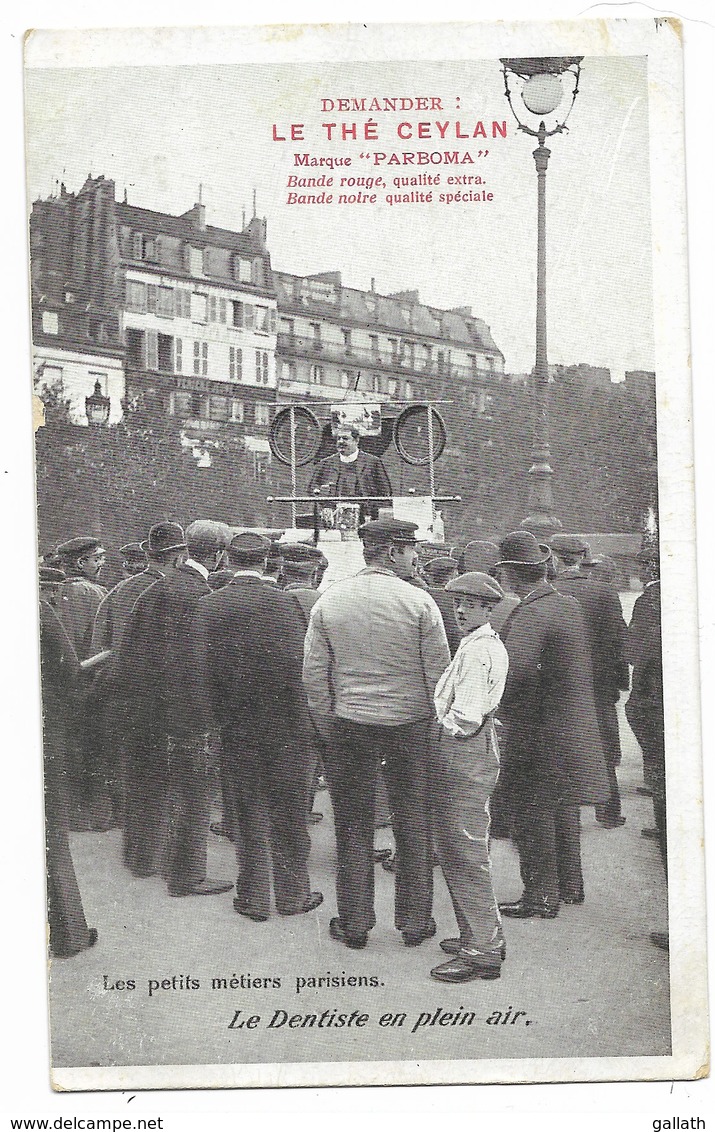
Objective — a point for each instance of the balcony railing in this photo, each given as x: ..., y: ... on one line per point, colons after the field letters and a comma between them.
x: 296, y: 345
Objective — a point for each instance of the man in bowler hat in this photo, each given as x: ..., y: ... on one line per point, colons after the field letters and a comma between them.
x: 134, y: 662
x: 182, y: 719
x: 374, y: 651
x: 554, y: 760
x: 606, y: 630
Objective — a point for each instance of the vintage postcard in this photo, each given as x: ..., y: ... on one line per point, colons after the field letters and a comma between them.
x: 362, y: 402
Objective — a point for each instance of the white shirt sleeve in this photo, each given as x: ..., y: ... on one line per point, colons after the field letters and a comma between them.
x: 470, y: 703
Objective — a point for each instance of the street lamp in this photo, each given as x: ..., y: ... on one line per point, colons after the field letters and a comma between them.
x: 97, y: 406
x: 540, y: 85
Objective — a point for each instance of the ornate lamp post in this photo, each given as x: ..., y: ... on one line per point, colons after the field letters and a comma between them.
x: 97, y: 406
x: 539, y: 83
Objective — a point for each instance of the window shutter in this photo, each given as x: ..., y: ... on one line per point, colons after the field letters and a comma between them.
x: 178, y: 355
x: 273, y: 321
x: 222, y: 310
x: 248, y: 316
x: 151, y: 298
x: 137, y: 245
x: 152, y: 349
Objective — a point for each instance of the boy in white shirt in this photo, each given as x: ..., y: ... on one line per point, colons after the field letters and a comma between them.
x: 464, y: 772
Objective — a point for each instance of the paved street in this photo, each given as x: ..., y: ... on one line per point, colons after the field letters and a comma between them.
x: 589, y: 983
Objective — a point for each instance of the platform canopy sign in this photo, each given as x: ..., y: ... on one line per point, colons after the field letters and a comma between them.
x: 367, y: 418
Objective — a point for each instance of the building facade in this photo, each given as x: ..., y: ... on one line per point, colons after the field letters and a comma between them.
x: 192, y: 320
x: 335, y: 340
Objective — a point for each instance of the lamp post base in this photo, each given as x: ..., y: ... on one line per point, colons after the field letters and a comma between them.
x: 542, y: 526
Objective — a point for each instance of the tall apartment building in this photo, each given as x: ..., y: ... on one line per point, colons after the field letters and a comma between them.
x: 333, y: 339
x: 192, y: 319
x: 189, y: 310
x: 77, y: 298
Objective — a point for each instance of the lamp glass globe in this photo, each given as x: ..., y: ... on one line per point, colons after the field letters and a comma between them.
x: 541, y: 94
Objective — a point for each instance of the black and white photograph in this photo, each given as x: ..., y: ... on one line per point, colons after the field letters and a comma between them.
x: 361, y: 404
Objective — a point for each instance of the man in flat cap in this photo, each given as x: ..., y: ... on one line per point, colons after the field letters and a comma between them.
x: 162, y: 634
x: 569, y: 552
x: 374, y: 651
x: 438, y: 572
x: 78, y: 598
x: 554, y: 760
x: 248, y: 642
x: 351, y: 472
x: 606, y: 631
x: 300, y: 564
x: 464, y: 772
x: 82, y: 560
x: 134, y: 559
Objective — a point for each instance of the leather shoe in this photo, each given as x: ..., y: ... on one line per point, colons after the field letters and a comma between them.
x: 389, y: 864
x: 650, y: 834
x: 461, y: 970
x: 611, y: 823
x: 92, y: 937
x: 380, y: 855
x: 453, y: 946
x: 205, y: 887
x: 645, y: 791
x: 414, y: 939
x: 314, y: 817
x: 660, y: 939
x: 522, y: 909
x: 573, y: 897
x: 244, y: 910
x: 313, y: 900
x: 337, y: 931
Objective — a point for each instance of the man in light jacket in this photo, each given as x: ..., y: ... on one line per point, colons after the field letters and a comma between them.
x: 374, y: 651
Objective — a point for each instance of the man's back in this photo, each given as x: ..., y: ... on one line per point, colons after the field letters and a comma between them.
x: 606, y: 630
x: 78, y: 600
x: 548, y: 702
x: 249, y: 645
x: 375, y: 648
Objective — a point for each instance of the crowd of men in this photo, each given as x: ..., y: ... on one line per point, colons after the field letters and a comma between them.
x: 473, y: 685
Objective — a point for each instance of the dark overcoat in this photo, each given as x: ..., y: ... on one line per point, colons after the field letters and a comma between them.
x: 60, y: 674
x: 606, y: 631
x: 77, y: 603
x: 445, y: 604
x: 371, y: 477
x: 158, y: 649
x: 249, y: 650
x: 553, y: 745
x: 112, y: 619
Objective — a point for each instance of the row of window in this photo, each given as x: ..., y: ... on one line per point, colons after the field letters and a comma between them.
x: 400, y: 351
x: 161, y: 249
x: 164, y: 353
x: 348, y: 379
x: 216, y: 407
x: 196, y: 306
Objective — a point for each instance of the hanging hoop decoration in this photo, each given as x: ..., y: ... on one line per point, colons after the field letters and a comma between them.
x: 308, y: 434
x: 412, y: 437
